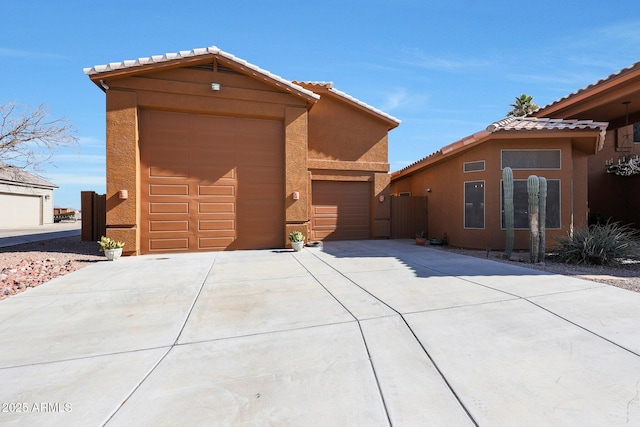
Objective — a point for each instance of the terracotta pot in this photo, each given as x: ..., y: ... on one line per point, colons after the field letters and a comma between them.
x: 421, y: 241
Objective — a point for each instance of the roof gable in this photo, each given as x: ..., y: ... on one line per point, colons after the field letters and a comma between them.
x: 185, y: 58
x: 327, y: 88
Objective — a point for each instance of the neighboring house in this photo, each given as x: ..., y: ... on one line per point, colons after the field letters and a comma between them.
x: 25, y: 199
x: 206, y: 151
x: 463, y: 181
x: 614, y: 99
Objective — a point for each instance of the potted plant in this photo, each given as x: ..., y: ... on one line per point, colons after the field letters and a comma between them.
x: 112, y: 249
x: 421, y: 238
x: 297, y: 240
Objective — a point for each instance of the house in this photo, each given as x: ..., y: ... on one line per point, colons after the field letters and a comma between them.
x: 614, y: 173
x: 26, y: 200
x: 206, y: 151
x: 463, y: 181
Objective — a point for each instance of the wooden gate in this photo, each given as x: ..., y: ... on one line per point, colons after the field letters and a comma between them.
x: 94, y: 216
x: 408, y: 216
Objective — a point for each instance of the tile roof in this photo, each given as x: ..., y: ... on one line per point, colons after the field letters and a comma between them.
x: 13, y: 175
x: 600, y: 82
x: 535, y: 123
x: 212, y: 50
x: 511, y: 125
x: 329, y: 87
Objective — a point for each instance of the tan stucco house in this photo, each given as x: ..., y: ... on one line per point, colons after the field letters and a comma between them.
x: 26, y: 200
x: 206, y: 151
x: 463, y: 181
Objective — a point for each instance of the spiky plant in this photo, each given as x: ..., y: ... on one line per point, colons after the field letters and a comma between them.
x: 600, y: 244
x: 507, y: 177
x: 542, y: 229
x: 533, y: 188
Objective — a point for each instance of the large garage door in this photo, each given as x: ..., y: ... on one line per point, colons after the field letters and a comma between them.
x: 341, y: 210
x: 211, y: 183
x: 20, y: 211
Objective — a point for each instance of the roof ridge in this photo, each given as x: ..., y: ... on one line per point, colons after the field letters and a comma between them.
x: 211, y: 50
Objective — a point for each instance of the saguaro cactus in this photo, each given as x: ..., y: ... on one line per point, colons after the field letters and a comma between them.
x: 543, y: 218
x: 533, y: 188
x: 507, y: 183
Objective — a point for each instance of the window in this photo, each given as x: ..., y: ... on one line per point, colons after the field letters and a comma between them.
x: 474, y: 166
x: 474, y: 204
x: 636, y: 133
x: 531, y: 159
x: 521, y: 204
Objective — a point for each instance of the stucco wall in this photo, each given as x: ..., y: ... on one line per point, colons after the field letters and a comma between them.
x: 446, y: 198
x: 189, y: 90
x: 349, y: 144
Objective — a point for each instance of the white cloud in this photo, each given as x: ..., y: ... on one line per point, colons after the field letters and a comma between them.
x: 28, y: 54
x: 90, y: 142
x: 81, y: 159
x: 419, y: 59
x: 66, y: 179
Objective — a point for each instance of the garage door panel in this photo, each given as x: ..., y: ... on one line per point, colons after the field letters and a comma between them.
x: 215, y: 243
x: 159, y: 244
x: 217, y: 190
x: 205, y: 208
x: 169, y: 208
x: 169, y: 225
x: 217, y: 224
x: 219, y: 187
x: 169, y: 189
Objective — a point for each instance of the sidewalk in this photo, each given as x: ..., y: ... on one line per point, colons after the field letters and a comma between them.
x: 12, y: 237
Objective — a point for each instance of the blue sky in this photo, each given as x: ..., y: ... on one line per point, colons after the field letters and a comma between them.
x: 446, y: 69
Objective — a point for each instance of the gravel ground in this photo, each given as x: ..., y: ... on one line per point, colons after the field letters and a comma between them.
x: 31, y: 264
x: 626, y: 275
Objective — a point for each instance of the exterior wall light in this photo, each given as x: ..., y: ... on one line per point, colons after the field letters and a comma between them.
x: 215, y: 86
x: 123, y: 194
x: 296, y: 195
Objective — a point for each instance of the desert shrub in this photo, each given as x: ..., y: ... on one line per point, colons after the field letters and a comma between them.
x: 599, y: 244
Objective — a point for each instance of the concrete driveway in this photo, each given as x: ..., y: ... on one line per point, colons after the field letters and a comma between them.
x: 362, y: 333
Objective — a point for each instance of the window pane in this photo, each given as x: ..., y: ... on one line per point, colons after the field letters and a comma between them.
x: 474, y: 204
x: 521, y: 204
x: 531, y: 159
x: 474, y: 166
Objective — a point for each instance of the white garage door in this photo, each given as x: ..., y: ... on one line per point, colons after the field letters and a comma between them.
x: 20, y: 211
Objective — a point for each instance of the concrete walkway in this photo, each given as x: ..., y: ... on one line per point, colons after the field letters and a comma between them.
x: 368, y: 333
x: 12, y: 237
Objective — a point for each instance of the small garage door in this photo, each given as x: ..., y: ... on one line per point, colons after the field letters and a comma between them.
x: 20, y: 211
x: 211, y: 183
x: 341, y: 210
